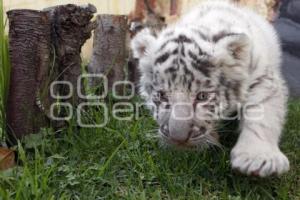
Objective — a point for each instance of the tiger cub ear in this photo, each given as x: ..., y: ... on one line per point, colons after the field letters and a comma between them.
x: 236, y: 45
x: 141, y: 43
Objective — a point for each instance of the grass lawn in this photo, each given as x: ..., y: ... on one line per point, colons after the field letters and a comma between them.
x: 126, y: 161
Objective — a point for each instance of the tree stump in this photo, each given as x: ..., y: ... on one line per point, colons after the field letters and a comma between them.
x: 110, y: 51
x: 71, y: 28
x: 29, y: 40
x: 45, y: 46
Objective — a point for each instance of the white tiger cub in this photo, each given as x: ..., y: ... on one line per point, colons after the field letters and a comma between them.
x: 218, y: 59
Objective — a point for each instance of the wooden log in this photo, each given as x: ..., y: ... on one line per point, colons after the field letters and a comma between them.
x: 32, y: 35
x: 29, y: 41
x: 71, y: 28
x: 110, y: 52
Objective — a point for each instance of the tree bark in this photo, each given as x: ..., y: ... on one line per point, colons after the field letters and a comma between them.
x: 110, y: 52
x: 29, y: 40
x: 71, y: 28
x: 38, y: 39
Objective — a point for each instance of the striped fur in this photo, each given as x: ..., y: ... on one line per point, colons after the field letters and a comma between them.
x: 221, y: 58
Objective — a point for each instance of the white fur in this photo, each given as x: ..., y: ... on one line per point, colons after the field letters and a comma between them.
x: 257, y: 151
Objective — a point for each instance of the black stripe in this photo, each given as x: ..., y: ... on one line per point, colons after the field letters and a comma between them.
x: 163, y: 46
x: 171, y: 70
x: 179, y: 40
x: 200, y: 53
x: 169, y: 84
x: 162, y: 58
x: 173, y: 77
x: 227, y: 97
x: 190, y: 85
x: 198, y: 82
x: 236, y: 89
x: 204, y: 70
x: 186, y: 70
x: 200, y: 65
x: 183, y: 39
x: 174, y: 68
x: 175, y: 52
x: 182, y: 51
x: 207, y: 84
x: 182, y: 62
x: 193, y: 56
x: 222, y: 35
x: 259, y: 81
x: 222, y: 80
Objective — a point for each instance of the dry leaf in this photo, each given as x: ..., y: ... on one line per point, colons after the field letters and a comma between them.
x: 7, y: 158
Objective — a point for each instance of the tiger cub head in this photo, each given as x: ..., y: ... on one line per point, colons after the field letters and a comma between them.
x: 190, y: 79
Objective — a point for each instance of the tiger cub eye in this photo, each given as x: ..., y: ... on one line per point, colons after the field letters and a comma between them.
x: 202, y: 96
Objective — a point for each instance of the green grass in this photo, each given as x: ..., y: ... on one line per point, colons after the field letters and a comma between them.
x: 126, y: 161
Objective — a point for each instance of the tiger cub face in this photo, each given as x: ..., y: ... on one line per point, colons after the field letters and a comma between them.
x: 190, y: 79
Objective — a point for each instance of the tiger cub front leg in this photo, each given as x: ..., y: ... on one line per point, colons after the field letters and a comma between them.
x: 257, y: 152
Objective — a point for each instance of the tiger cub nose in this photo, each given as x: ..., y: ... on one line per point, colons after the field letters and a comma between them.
x: 198, y: 132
